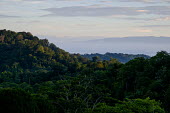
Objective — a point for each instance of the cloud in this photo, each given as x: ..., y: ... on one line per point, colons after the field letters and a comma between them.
x: 141, y: 10
x: 7, y: 16
x: 143, y: 30
x: 102, y: 1
x: 159, y: 10
x: 91, y: 11
x: 44, y: 0
x: 108, y: 1
x: 136, y: 18
x: 156, y: 26
x: 162, y: 19
x: 135, y: 0
x: 107, y: 11
x: 28, y: 22
x: 145, y: 1
x: 166, y: 18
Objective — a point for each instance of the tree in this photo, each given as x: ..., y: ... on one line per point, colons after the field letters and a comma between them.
x: 96, y: 58
x: 16, y: 101
x: 139, y: 106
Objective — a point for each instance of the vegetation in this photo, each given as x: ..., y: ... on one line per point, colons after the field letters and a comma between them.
x: 38, y: 77
x: 123, y: 58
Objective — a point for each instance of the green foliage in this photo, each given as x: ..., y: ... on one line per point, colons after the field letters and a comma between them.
x: 108, y: 56
x: 138, y: 106
x: 129, y: 106
x: 44, y: 105
x: 16, y: 101
x: 55, y: 81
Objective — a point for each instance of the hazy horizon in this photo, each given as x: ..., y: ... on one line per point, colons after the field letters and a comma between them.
x: 148, y: 45
x: 68, y: 23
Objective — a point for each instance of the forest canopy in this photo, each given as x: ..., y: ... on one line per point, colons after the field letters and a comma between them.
x: 38, y: 77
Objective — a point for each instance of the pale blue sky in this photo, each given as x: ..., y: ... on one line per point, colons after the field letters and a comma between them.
x: 87, y: 18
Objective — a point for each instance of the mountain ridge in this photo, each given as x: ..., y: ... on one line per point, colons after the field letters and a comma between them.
x: 134, y: 38
x: 121, y: 57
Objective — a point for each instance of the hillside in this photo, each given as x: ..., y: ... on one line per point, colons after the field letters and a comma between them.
x: 119, y: 56
x: 38, y: 77
x: 28, y: 52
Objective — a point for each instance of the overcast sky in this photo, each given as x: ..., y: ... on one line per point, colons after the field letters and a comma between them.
x: 87, y: 18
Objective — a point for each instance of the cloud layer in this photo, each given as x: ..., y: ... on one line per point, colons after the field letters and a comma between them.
x: 7, y: 16
x: 84, y: 18
x: 108, y: 11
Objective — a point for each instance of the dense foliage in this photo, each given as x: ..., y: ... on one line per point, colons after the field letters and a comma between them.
x: 38, y: 77
x: 123, y: 58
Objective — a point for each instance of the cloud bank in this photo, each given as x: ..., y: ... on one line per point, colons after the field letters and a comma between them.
x: 107, y: 11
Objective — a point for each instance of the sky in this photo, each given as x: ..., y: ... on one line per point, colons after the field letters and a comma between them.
x: 77, y: 25
x: 87, y: 18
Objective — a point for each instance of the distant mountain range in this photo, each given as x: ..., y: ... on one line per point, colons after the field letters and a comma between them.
x: 149, y: 45
x: 140, y: 39
x: 119, y: 56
